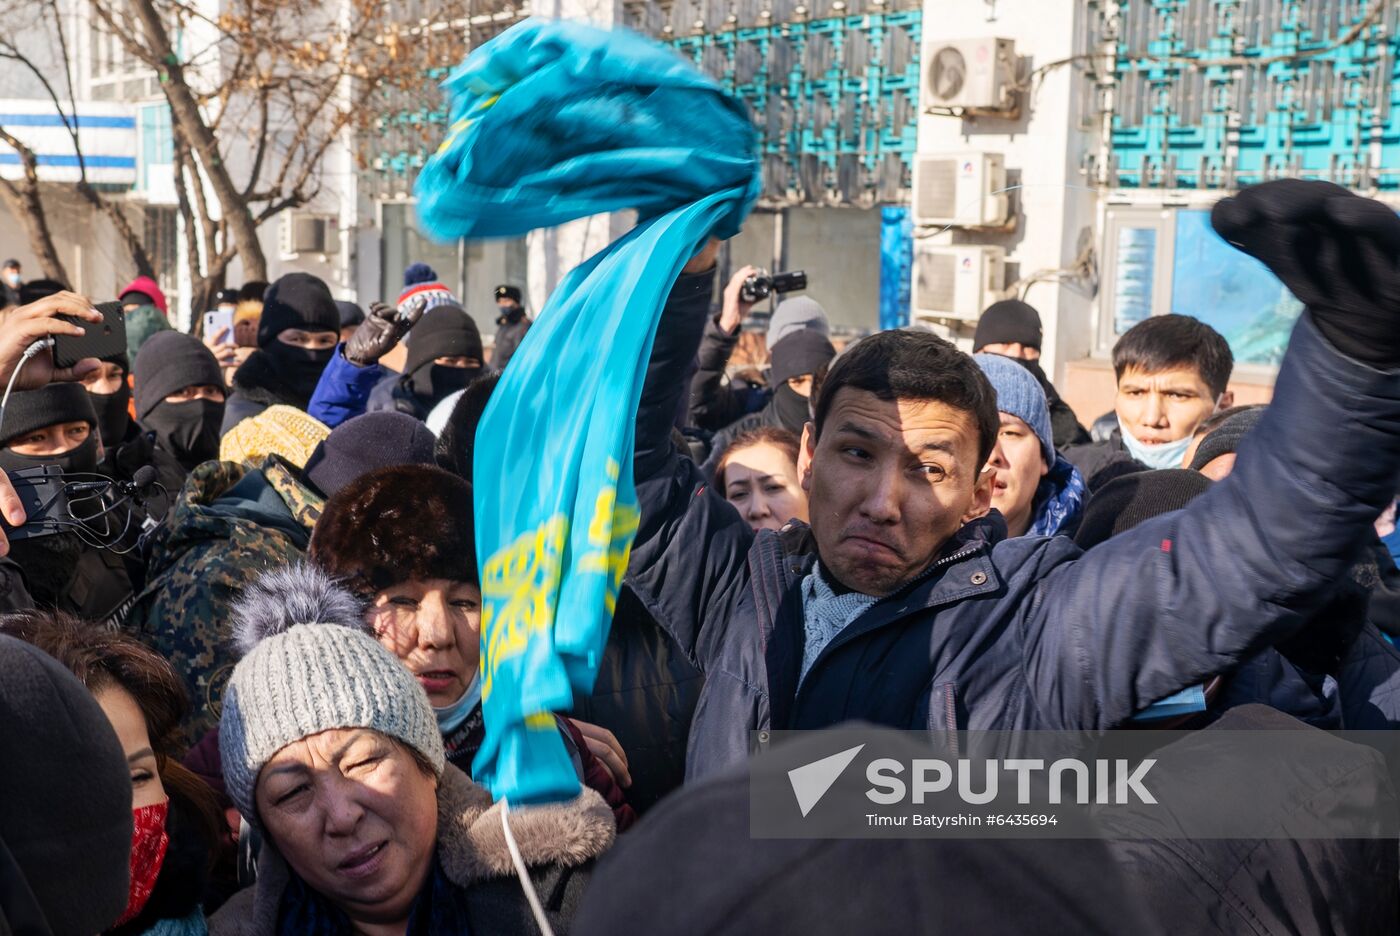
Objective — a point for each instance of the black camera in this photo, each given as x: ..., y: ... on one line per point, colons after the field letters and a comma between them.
x: 763, y: 284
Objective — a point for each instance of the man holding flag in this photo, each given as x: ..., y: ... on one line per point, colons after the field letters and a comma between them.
x: 905, y: 604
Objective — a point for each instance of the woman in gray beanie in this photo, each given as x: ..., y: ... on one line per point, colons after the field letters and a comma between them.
x: 330, y: 749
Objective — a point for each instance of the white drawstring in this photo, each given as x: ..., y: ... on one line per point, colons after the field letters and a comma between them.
x: 29, y: 352
x: 523, y: 873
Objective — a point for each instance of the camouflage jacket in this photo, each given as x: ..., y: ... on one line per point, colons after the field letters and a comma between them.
x: 229, y: 525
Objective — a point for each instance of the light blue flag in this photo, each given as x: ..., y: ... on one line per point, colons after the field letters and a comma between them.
x: 554, y: 121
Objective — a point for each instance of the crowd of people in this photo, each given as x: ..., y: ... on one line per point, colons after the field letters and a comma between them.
x: 240, y: 685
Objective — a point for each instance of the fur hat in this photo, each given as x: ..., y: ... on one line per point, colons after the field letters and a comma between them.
x: 310, y: 665
x: 398, y: 524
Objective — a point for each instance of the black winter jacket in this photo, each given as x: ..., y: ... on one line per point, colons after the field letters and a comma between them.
x: 1265, y: 886
x: 256, y: 386
x: 715, y: 404
x: 645, y: 694
x: 1029, y: 632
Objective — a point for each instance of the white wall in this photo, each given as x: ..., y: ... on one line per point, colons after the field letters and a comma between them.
x: 1044, y: 149
x: 96, y: 261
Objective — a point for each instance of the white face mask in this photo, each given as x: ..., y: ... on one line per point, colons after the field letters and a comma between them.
x: 13, y: 279
x: 449, y: 717
x: 1162, y: 455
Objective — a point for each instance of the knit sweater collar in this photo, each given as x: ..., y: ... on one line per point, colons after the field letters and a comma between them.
x: 826, y: 611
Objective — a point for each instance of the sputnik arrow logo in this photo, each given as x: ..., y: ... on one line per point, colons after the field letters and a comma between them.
x: 811, y: 781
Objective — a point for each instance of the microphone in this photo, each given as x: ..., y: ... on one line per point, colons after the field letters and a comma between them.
x: 144, y: 477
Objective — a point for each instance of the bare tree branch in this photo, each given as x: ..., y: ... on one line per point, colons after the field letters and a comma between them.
x: 25, y: 204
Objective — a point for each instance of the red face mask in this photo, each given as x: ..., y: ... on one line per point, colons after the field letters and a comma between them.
x: 148, y: 843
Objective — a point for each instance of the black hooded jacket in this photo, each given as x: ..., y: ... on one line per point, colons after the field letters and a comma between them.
x: 257, y: 384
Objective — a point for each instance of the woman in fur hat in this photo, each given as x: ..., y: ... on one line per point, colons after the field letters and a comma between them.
x: 401, y: 539
x: 331, y: 751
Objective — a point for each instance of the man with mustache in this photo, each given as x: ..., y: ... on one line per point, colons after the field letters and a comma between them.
x: 904, y: 603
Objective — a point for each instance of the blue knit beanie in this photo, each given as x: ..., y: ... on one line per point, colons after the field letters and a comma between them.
x: 418, y: 273
x: 1019, y: 394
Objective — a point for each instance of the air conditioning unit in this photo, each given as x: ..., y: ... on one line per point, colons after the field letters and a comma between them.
x: 956, y: 189
x: 306, y: 233
x: 970, y: 74
x: 957, y: 281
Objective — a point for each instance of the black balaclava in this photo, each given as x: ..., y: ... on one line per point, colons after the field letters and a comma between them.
x: 31, y: 410
x: 444, y: 331
x: 796, y: 355
x: 113, y: 418
x: 301, y: 301
x: 189, y: 431
x: 791, y: 408
x: 80, y: 460
x: 301, y: 367
x: 112, y: 412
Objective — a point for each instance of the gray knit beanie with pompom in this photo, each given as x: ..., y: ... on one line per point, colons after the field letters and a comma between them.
x: 310, y: 665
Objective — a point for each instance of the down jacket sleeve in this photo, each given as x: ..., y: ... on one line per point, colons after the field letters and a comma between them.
x: 1191, y: 593
x: 713, y: 403
x: 343, y: 390
x: 689, y: 560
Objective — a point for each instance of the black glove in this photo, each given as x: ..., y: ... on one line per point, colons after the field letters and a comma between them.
x: 383, y: 328
x: 1337, y: 252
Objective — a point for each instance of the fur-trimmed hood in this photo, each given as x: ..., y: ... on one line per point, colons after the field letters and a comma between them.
x: 471, y: 848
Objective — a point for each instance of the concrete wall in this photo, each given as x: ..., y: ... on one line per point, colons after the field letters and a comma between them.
x: 1044, y: 147
x: 840, y: 250
x: 96, y: 260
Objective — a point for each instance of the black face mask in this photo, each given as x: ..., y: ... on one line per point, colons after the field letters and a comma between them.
x: 112, y: 416
x: 791, y: 408
x: 301, y: 367
x: 81, y: 460
x: 189, y: 431
x: 434, y: 383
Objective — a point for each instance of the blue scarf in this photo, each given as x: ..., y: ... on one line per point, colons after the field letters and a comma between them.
x: 554, y: 121
x: 1059, y: 501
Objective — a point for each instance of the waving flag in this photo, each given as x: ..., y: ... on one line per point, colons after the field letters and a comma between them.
x: 554, y: 121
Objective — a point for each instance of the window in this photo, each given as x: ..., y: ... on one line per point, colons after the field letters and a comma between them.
x: 156, y: 141
x: 1230, y: 291
x: 160, y: 237
x: 1137, y: 258
x: 1171, y: 260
